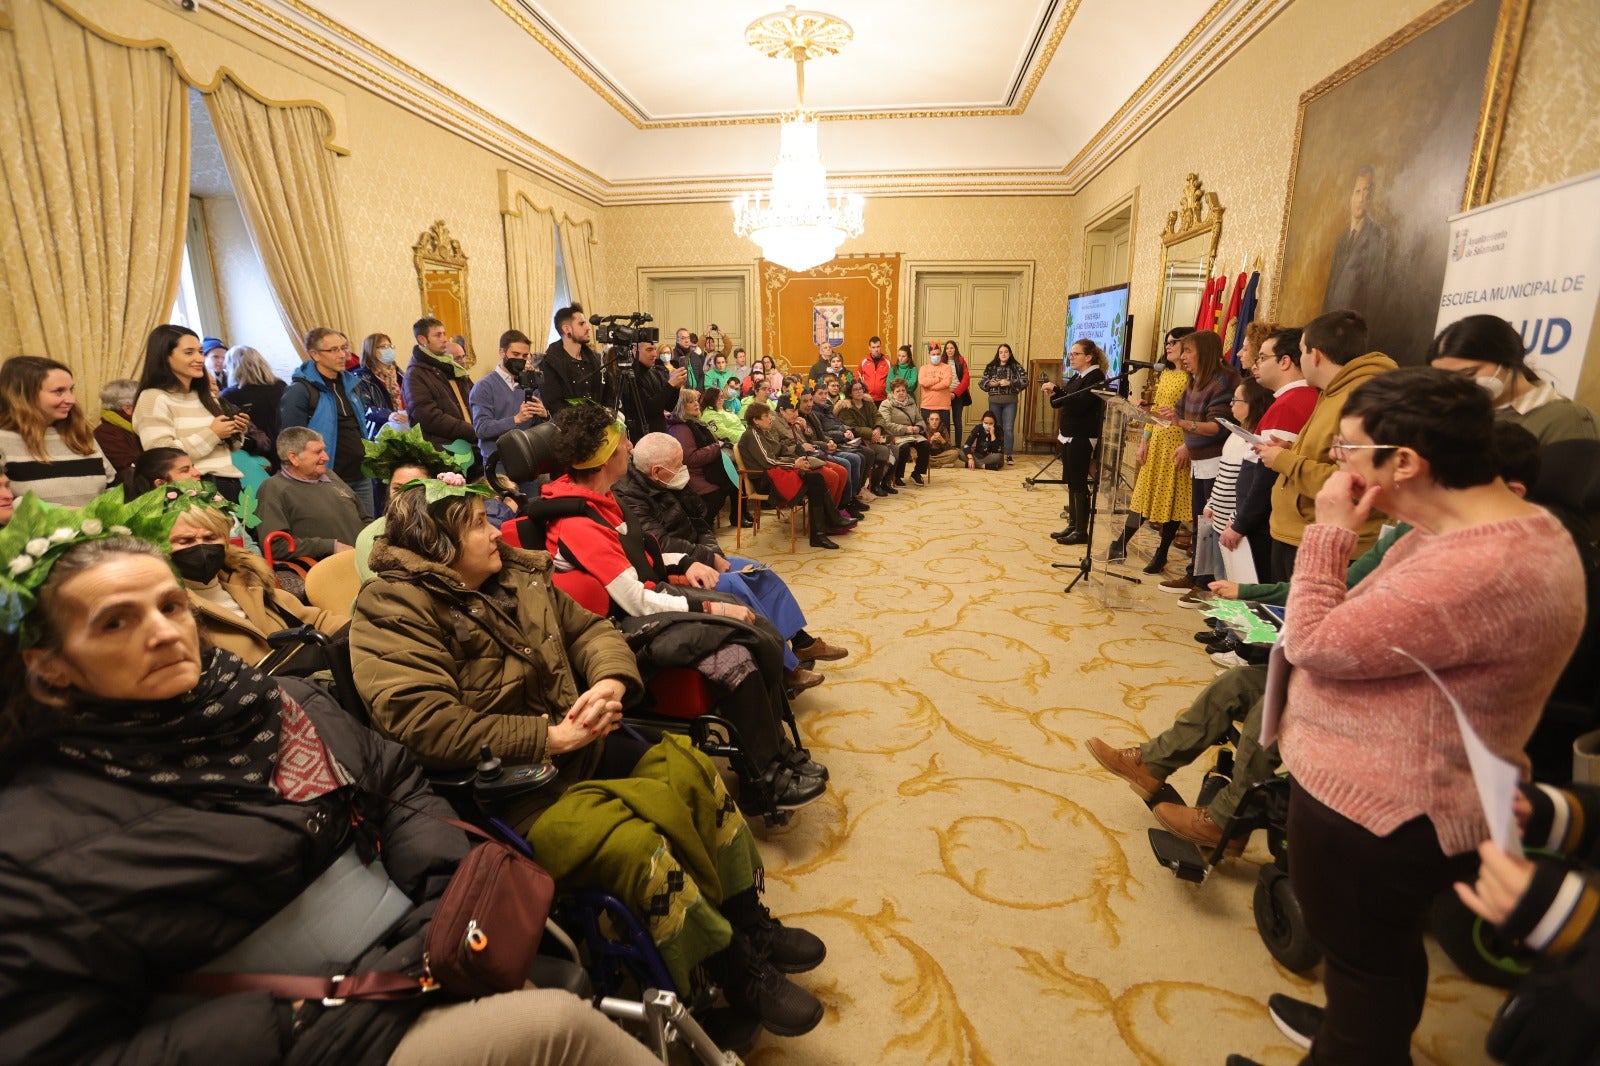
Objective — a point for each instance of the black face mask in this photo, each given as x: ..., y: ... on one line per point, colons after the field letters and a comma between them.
x: 515, y: 367
x: 199, y: 563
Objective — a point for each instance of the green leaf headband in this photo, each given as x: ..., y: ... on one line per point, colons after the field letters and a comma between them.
x: 40, y: 533
x: 445, y: 486
x: 393, y: 450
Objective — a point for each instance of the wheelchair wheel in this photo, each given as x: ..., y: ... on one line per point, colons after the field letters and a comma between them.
x: 1475, y: 946
x: 1280, y: 923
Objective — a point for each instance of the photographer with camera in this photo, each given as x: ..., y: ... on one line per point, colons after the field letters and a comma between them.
x: 507, y: 398
x: 649, y: 390
x: 572, y: 369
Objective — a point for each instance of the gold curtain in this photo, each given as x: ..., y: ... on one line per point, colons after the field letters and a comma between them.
x: 578, y: 261
x: 530, y: 268
x: 283, y: 174
x: 94, y: 149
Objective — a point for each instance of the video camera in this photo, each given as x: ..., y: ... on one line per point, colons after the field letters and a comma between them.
x: 625, y: 330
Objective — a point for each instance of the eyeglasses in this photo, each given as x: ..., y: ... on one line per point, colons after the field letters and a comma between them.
x: 1340, y: 449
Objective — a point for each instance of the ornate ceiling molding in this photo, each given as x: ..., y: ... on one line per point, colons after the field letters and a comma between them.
x: 307, y: 32
x: 1047, y: 33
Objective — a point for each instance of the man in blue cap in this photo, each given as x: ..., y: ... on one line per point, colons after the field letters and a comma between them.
x: 214, y: 350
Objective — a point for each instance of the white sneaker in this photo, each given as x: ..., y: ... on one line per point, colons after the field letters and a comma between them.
x: 1227, y: 658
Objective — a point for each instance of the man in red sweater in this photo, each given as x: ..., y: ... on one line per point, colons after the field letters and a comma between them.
x: 874, y: 371
x: 1277, y: 367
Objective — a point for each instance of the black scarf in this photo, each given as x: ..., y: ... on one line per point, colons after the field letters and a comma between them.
x: 220, y: 736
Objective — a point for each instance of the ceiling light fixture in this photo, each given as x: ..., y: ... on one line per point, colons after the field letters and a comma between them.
x: 798, y: 224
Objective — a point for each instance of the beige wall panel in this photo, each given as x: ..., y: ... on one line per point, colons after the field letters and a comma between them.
x: 990, y: 319
x: 724, y: 304
x: 940, y: 309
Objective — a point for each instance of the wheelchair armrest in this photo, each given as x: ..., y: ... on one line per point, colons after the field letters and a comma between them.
x: 491, y: 784
x: 305, y: 634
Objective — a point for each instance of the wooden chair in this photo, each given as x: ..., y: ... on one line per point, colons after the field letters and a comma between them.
x: 332, y: 583
x: 746, y: 492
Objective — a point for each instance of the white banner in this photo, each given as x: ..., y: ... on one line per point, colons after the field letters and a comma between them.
x: 1534, y: 261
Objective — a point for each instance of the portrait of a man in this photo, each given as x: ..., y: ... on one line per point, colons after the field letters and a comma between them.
x: 1360, y: 257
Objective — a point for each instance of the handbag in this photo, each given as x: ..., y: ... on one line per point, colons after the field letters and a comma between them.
x: 481, y: 940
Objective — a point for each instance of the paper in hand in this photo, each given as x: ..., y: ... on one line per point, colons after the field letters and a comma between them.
x: 1240, y: 431
x: 1497, y: 780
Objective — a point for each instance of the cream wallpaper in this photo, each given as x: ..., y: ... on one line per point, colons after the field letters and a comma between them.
x: 951, y: 228
x: 1551, y: 132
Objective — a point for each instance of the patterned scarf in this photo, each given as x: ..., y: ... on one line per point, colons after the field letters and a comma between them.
x: 235, y: 733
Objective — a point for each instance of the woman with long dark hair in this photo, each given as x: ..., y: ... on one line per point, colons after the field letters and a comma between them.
x: 177, y: 409
x: 1081, y: 414
x: 1005, y: 379
x: 48, y: 445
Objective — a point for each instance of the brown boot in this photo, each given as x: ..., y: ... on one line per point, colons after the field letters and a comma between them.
x: 1127, y: 764
x: 819, y: 649
x: 799, y: 679
x: 1194, y: 824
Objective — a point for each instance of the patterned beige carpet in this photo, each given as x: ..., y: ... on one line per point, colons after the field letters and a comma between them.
x: 987, y: 892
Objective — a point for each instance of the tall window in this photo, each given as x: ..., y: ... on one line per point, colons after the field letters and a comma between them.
x: 197, y: 306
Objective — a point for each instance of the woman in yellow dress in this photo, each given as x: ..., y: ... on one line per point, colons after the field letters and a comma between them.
x: 1161, y: 493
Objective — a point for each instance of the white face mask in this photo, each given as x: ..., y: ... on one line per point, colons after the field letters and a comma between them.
x: 935, y: 358
x: 678, y: 480
x: 386, y: 355
x: 1492, y: 385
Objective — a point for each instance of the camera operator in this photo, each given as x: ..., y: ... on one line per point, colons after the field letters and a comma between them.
x: 652, y: 392
x: 506, y: 398
x: 572, y: 370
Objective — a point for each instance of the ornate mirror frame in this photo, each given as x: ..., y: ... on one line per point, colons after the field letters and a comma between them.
x: 442, y: 282
x: 1198, y: 219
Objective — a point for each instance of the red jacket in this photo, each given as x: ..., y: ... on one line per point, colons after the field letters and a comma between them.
x: 875, y: 376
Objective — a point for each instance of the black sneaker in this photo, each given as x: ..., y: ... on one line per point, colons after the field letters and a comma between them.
x: 818, y: 540
x: 1295, y: 1018
x: 917, y: 478
x: 753, y: 985
x: 1240, y: 1060
x: 788, y: 950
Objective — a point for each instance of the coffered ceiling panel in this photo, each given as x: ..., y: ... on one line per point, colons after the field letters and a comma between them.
x: 634, y: 101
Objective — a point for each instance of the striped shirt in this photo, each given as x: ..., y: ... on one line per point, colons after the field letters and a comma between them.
x: 179, y: 420
x: 1235, y: 453
x: 61, y: 476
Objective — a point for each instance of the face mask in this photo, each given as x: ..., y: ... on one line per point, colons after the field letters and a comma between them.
x: 515, y: 367
x: 678, y: 480
x: 935, y: 358
x: 386, y: 355
x: 1492, y: 385
x: 199, y: 563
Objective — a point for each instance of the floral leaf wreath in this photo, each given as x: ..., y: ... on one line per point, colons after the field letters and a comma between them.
x: 180, y: 496
x: 446, y: 485
x: 393, y: 450
x: 40, y: 533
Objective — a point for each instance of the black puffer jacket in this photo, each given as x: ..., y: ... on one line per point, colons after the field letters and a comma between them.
x: 108, y: 892
x: 675, y: 517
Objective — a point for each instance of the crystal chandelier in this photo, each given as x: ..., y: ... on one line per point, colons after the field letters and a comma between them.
x: 798, y: 224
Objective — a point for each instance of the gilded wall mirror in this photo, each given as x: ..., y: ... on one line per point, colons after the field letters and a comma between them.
x: 442, y: 280
x: 1188, y: 253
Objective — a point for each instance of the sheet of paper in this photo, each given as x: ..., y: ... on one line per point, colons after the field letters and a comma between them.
x: 1276, y: 696
x: 1497, y: 779
x: 1239, y: 564
x: 1240, y: 431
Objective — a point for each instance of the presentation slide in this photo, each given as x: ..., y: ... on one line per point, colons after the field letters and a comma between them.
x: 1102, y: 316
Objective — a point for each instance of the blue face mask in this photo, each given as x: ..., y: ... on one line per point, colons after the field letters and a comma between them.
x: 386, y: 355
x: 934, y: 358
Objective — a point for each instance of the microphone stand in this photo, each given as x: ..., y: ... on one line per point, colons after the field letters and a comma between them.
x: 1111, y: 448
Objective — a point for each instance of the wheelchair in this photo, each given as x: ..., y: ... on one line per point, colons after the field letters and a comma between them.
x: 677, y: 699
x: 625, y: 954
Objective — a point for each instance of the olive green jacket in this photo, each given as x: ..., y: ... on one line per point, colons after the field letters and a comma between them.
x: 443, y: 669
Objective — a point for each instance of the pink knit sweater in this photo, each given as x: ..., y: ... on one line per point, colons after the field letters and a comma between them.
x: 1495, y: 610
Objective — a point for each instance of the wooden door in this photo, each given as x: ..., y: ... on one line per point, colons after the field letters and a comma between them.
x: 694, y: 303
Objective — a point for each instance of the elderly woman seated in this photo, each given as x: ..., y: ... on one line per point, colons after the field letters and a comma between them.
x: 702, y: 454
x: 658, y: 499
x: 236, y: 601
x: 462, y: 641
x: 775, y: 460
x: 602, y: 547
x: 901, y: 421
x: 163, y: 816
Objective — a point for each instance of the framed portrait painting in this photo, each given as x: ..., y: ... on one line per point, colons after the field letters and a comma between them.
x: 1386, y: 149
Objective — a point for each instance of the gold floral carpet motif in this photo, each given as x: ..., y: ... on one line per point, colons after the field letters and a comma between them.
x: 987, y: 892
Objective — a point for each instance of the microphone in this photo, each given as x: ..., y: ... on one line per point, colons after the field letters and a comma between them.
x: 1135, y: 364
